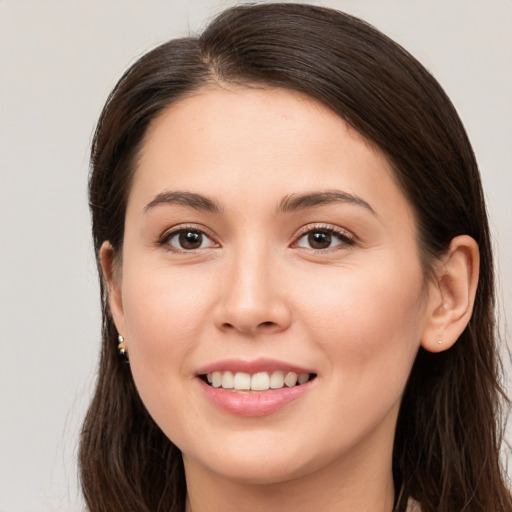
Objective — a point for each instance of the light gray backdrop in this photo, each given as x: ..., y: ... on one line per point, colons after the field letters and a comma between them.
x: 58, y: 61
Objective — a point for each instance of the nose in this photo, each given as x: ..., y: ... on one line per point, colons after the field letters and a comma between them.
x: 252, y: 299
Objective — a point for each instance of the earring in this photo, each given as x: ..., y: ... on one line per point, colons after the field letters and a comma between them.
x: 439, y: 342
x: 121, y: 349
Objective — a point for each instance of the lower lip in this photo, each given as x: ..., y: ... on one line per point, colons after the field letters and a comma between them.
x: 254, y: 403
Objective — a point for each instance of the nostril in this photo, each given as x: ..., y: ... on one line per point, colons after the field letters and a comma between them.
x: 267, y: 324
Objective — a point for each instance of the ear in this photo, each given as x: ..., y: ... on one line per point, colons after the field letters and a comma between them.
x: 112, y: 278
x: 451, y: 294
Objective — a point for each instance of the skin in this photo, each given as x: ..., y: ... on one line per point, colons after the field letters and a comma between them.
x: 355, y: 311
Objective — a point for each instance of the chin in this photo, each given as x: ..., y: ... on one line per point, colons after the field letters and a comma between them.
x: 264, y: 471
x: 253, y: 463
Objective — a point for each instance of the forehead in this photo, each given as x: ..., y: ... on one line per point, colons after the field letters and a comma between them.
x: 250, y: 116
x: 253, y: 143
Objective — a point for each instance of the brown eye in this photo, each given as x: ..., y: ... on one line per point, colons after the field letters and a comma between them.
x: 319, y: 240
x: 324, y: 238
x: 188, y: 240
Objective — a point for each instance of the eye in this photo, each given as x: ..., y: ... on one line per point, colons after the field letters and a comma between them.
x: 323, y: 238
x: 187, y: 239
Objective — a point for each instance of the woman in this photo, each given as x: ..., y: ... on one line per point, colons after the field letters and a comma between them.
x: 296, y: 265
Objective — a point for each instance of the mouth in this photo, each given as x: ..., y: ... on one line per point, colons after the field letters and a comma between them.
x: 255, y: 388
x: 256, y: 382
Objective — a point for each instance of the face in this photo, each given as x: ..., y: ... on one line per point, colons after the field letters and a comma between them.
x: 266, y: 241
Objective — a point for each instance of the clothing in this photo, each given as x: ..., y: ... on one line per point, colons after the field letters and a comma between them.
x: 413, y: 506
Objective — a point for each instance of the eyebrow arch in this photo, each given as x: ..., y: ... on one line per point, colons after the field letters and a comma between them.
x: 190, y: 199
x: 294, y: 202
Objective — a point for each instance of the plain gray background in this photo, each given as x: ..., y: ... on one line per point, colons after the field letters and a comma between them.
x: 58, y: 61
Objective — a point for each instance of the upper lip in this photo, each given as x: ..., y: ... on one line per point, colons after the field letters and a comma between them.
x: 254, y: 366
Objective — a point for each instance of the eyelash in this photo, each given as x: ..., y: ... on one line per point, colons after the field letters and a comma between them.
x: 169, y: 235
x: 345, y: 238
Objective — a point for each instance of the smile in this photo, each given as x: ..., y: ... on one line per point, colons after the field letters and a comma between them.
x: 261, y: 381
x: 255, y: 388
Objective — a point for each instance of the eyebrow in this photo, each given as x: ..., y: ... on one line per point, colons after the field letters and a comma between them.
x: 289, y: 203
x: 190, y: 199
x: 294, y: 202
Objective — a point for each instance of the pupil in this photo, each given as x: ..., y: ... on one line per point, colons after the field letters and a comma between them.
x: 318, y: 240
x: 190, y: 240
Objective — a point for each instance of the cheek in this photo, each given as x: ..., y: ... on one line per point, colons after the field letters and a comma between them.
x: 368, y: 328
x: 164, y: 316
x: 366, y: 319
x: 163, y: 305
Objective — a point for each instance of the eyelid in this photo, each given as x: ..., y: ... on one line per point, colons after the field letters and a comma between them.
x: 169, y: 233
x: 342, y: 233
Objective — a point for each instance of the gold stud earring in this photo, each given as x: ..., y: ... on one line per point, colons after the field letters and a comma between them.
x: 121, y: 349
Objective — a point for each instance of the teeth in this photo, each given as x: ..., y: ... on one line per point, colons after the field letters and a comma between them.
x: 261, y: 381
x: 216, y: 379
x: 277, y: 380
x: 303, y: 377
x: 227, y: 380
x: 291, y: 379
x: 242, y: 381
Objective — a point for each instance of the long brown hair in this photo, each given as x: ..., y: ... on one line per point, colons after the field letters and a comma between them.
x: 448, y: 437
